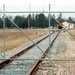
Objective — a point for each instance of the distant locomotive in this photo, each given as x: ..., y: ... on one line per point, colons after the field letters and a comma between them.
x: 59, y: 26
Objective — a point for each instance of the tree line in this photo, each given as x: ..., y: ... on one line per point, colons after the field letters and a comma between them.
x: 34, y: 21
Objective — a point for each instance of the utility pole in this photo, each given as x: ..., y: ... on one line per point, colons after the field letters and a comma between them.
x: 49, y: 26
x: 4, y: 31
x: 29, y: 18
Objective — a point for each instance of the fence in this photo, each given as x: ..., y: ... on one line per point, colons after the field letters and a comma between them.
x: 22, y: 63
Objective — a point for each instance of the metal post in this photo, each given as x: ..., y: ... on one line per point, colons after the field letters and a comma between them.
x: 4, y: 31
x: 29, y: 18
x: 49, y: 26
x: 28, y: 23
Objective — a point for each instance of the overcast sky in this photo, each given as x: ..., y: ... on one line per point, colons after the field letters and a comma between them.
x: 38, y: 5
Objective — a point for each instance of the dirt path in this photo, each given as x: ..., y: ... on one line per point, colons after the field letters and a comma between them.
x: 66, y: 47
x: 65, y: 50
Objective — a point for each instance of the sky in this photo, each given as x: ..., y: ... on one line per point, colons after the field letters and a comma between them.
x: 38, y: 5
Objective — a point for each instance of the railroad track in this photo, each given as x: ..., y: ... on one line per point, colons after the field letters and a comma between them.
x: 35, y: 67
x: 11, y: 60
x: 5, y: 62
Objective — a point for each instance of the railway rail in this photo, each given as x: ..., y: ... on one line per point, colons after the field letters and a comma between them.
x: 5, y: 62
x: 34, y: 68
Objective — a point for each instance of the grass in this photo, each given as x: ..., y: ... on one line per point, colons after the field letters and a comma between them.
x: 15, y: 38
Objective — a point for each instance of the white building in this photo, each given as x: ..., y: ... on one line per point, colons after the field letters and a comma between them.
x: 68, y: 25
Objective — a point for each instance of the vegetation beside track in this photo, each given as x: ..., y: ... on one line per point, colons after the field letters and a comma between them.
x: 15, y: 38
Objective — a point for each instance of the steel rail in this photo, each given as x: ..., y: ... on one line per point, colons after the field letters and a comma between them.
x: 7, y: 61
x: 35, y: 67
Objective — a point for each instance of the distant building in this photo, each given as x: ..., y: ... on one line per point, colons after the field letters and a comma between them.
x: 68, y: 25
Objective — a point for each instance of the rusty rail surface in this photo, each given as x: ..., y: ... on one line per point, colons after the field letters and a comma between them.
x: 7, y: 61
x: 35, y: 67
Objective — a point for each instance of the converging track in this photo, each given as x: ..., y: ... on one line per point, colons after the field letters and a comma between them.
x: 28, y: 53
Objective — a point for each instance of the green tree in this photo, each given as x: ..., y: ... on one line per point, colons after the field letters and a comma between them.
x: 70, y: 19
x: 1, y: 23
x: 33, y: 21
x: 20, y: 21
x: 37, y: 21
x: 8, y: 23
x: 60, y: 19
x: 41, y: 20
x: 53, y: 22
